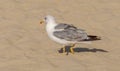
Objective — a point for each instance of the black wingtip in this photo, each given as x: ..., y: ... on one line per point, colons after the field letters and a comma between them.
x: 93, y: 38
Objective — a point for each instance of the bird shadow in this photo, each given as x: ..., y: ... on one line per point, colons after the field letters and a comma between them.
x: 81, y: 49
x: 88, y: 50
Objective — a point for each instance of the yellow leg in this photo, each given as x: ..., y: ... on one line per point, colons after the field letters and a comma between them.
x: 72, y: 45
x: 71, y: 48
x: 64, y: 49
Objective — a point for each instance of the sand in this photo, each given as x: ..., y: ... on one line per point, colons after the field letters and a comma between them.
x: 25, y: 46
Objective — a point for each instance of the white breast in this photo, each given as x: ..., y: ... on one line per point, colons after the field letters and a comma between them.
x: 50, y: 28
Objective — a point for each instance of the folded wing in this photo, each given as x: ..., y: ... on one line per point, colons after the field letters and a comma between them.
x: 70, y: 33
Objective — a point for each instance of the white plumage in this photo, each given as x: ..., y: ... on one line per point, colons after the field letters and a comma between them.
x: 66, y: 34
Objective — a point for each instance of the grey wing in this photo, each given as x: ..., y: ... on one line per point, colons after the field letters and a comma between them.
x: 66, y: 26
x: 71, y: 34
x: 61, y: 26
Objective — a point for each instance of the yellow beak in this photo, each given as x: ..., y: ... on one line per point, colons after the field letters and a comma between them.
x: 42, y: 21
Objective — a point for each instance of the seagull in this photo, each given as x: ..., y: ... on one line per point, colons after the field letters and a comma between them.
x: 65, y: 34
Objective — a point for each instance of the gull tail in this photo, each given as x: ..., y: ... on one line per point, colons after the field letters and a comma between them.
x: 92, y: 38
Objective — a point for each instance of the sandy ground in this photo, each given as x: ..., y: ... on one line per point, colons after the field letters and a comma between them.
x: 25, y: 46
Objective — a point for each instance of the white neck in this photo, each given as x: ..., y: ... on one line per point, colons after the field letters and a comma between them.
x: 50, y: 25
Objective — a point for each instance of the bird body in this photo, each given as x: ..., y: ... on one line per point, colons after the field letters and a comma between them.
x: 65, y: 34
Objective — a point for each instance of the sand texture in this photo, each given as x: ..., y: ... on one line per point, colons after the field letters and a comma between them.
x: 25, y: 46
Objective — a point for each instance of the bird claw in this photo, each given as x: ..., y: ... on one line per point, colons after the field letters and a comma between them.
x: 68, y: 49
x: 71, y: 50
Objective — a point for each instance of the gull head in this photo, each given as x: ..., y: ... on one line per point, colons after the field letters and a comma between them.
x: 48, y: 19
